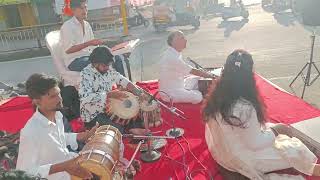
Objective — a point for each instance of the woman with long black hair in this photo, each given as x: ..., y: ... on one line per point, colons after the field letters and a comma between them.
x: 237, y: 134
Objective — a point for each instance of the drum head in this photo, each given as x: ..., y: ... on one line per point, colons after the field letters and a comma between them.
x: 127, y: 108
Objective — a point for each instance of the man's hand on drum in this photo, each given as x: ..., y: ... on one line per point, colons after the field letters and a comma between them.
x: 73, y: 167
x: 84, y: 136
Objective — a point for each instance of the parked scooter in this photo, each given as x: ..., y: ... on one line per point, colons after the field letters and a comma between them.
x: 164, y: 17
x: 236, y: 10
x: 137, y: 19
x: 277, y: 5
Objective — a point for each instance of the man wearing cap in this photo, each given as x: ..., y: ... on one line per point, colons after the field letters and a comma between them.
x: 77, y: 39
x: 97, y: 80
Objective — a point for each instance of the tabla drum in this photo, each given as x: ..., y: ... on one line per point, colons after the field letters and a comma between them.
x: 150, y: 113
x: 203, y: 85
x: 123, y: 110
x: 102, y: 153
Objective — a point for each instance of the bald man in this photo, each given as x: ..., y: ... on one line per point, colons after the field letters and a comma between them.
x: 173, y: 71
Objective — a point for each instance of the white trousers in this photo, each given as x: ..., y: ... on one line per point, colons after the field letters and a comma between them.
x: 189, y: 94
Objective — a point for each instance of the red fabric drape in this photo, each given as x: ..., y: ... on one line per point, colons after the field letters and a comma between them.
x: 280, y: 107
x: 67, y: 11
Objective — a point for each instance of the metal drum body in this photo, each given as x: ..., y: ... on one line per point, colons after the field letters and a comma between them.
x: 102, y: 153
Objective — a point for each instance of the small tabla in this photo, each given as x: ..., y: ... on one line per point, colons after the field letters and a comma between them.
x: 204, y: 84
x: 150, y: 113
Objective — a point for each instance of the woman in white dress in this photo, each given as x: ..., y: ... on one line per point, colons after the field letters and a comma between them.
x: 237, y: 134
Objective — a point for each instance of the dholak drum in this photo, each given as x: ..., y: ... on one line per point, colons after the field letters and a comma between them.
x: 203, y: 85
x: 150, y: 113
x: 123, y: 110
x: 101, y: 154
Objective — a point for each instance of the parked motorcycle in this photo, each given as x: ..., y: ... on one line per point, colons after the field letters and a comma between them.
x: 137, y: 19
x: 278, y: 5
x: 164, y: 16
x: 238, y: 9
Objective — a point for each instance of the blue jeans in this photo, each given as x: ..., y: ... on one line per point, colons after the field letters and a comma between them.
x: 79, y: 63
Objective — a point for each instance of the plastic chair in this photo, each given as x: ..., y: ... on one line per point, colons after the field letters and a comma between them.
x: 70, y: 78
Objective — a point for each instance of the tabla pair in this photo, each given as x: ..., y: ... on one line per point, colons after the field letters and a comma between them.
x: 125, y: 110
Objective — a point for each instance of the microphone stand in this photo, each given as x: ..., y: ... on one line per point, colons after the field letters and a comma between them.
x: 174, y: 131
x: 150, y: 155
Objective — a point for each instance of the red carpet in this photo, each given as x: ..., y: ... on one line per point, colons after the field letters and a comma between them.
x: 281, y: 107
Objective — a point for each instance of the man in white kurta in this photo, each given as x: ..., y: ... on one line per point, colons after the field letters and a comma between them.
x: 173, y: 71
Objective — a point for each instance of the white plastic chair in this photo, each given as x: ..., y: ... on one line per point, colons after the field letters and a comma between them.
x: 70, y: 78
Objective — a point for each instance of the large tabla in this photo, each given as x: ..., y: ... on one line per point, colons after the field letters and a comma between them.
x: 102, y: 153
x: 125, y: 109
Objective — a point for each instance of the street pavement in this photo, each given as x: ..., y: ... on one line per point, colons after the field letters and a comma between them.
x: 280, y: 46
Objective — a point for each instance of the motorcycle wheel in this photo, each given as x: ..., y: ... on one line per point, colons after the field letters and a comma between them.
x: 277, y: 6
x: 146, y: 23
x: 159, y: 28
x: 264, y: 2
x: 196, y: 24
x: 245, y: 14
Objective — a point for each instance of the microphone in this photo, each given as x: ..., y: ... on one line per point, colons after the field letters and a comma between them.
x: 152, y: 97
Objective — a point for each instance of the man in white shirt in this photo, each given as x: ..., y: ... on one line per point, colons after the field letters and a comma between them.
x: 77, y: 37
x: 43, y: 142
x: 173, y: 71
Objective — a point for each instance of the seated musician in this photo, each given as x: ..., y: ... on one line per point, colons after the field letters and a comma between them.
x: 43, y: 141
x: 77, y: 42
x: 77, y: 38
x: 173, y: 70
x: 237, y: 134
x: 97, y: 81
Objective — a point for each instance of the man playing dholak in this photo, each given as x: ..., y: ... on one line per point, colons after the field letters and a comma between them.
x: 97, y: 81
x: 173, y: 71
x: 43, y: 142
